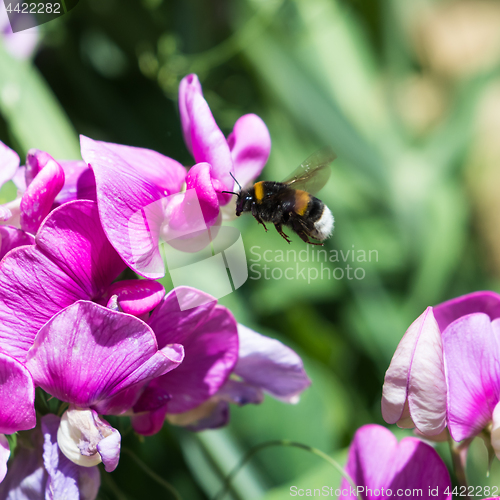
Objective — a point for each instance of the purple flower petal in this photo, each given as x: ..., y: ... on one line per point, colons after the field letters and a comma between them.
x: 17, y: 394
x: 173, y: 325
x: 129, y: 180
x: 38, y: 198
x: 4, y: 456
x: 63, y: 475
x: 149, y: 423
x: 100, y: 349
x: 202, y: 135
x: 211, y: 352
x: 109, y: 449
x: 82, y: 436
x: 471, y: 346
x: 485, y: 302
x: 270, y: 365
x: 416, y: 373
x: 79, y: 183
x: 250, y: 145
x: 241, y: 393
x: 377, y: 461
x: 9, y: 163
x: 212, y: 414
x: 137, y: 297
x: 26, y: 477
x: 11, y: 237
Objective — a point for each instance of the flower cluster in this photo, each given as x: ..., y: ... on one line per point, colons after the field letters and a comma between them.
x: 444, y: 381
x: 73, y: 329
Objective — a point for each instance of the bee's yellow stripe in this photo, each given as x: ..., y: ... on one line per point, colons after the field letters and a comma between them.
x: 301, y: 201
x: 259, y: 191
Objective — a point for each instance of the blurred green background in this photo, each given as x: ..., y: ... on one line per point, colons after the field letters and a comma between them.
x: 408, y: 95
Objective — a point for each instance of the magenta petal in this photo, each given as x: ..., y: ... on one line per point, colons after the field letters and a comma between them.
x: 170, y: 324
x: 376, y: 461
x: 129, y: 182
x: 36, y: 160
x: 11, y: 237
x: 32, y: 290
x: 137, y: 297
x: 40, y: 195
x: 189, y: 84
x: 149, y: 423
x: 79, y: 182
x: 211, y: 353
x: 471, y: 347
x: 418, y: 466
x: 270, y: 365
x: 17, y: 393
x: 199, y: 179
x: 250, y: 145
x: 485, y: 302
x: 9, y: 163
x: 205, y: 139
x: 112, y: 360
x: 74, y: 240
x: 63, y: 475
x: 4, y: 456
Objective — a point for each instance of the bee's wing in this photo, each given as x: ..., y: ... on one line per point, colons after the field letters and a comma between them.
x: 313, y: 173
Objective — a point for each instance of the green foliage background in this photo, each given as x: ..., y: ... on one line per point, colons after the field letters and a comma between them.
x: 416, y: 180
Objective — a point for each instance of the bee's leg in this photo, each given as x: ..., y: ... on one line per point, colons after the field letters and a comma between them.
x: 278, y: 227
x: 298, y: 228
x: 257, y: 217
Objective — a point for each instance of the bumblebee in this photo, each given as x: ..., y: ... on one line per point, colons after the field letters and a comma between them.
x: 291, y: 202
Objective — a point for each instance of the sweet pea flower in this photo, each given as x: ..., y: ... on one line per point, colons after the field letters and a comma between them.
x: 97, y: 360
x: 264, y: 365
x: 71, y: 260
x: 381, y: 468
x: 471, y: 344
x: 243, y: 154
x: 414, y: 392
x: 41, y: 471
x: 432, y: 382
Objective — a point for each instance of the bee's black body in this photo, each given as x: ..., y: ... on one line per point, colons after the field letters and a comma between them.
x: 290, y: 202
x: 280, y: 204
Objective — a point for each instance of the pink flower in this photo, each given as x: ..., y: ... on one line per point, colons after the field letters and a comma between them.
x: 445, y: 370
x: 414, y: 392
x: 243, y: 154
x: 381, y: 468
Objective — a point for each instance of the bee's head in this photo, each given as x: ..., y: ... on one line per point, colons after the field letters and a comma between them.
x: 244, y: 202
x: 241, y: 196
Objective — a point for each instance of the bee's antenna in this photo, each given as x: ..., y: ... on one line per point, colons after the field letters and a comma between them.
x: 230, y: 192
x: 234, y: 178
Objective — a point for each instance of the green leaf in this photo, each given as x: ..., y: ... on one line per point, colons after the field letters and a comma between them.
x: 35, y: 117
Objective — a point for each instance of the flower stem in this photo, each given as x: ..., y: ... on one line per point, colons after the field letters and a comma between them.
x: 153, y: 475
x: 458, y: 457
x: 227, y: 481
